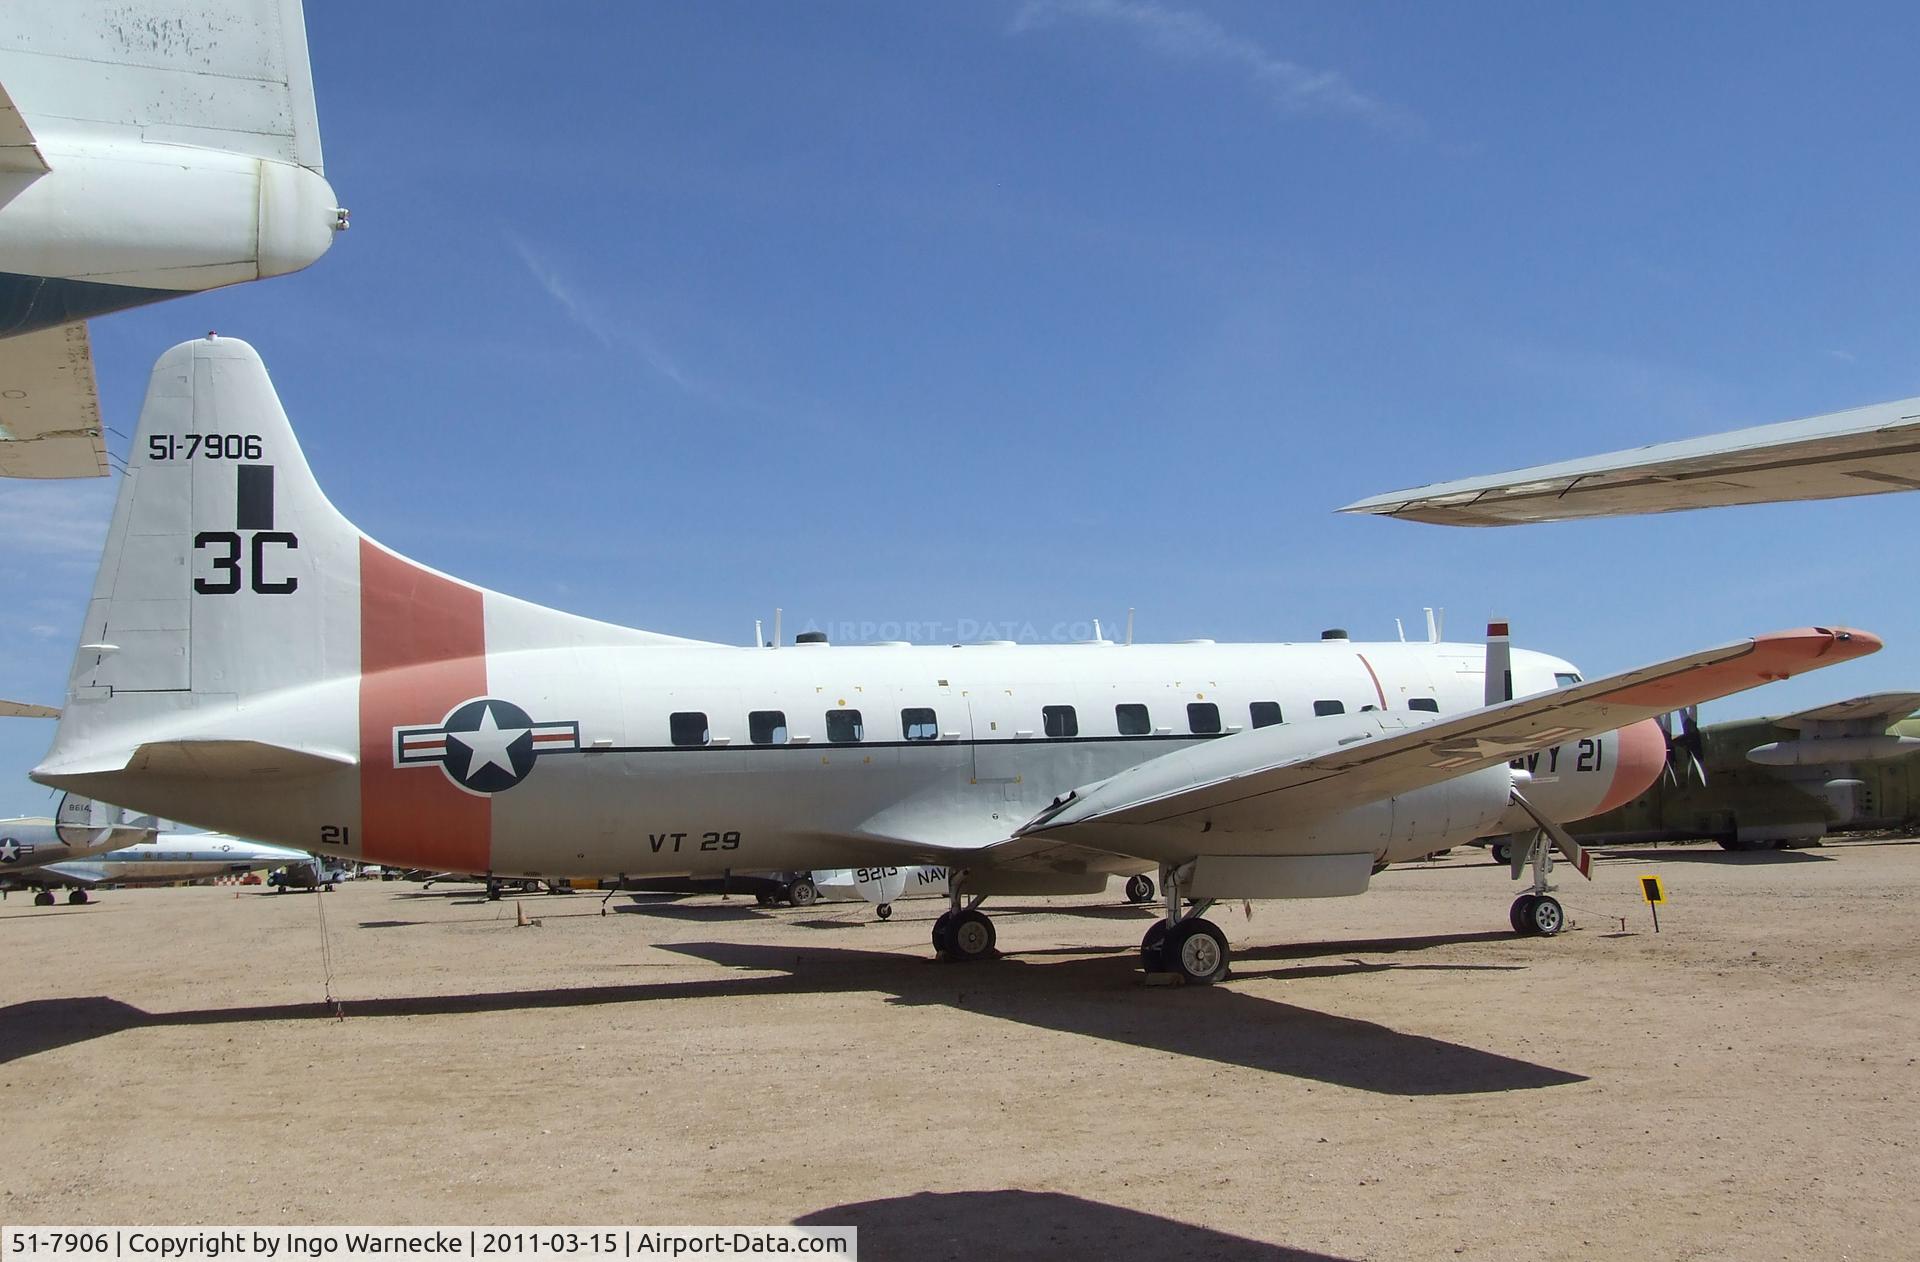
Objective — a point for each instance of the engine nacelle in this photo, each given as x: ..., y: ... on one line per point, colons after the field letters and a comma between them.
x: 1819, y: 751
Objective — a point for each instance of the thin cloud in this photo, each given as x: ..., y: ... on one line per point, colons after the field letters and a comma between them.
x: 612, y: 334
x: 62, y: 521
x: 1185, y: 35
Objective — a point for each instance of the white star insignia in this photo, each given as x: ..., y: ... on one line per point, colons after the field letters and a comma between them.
x: 488, y: 744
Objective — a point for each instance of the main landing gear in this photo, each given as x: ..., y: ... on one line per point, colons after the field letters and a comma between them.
x: 78, y: 897
x: 1140, y: 888
x: 963, y: 932
x: 43, y: 899
x: 1537, y: 913
x: 1184, y: 944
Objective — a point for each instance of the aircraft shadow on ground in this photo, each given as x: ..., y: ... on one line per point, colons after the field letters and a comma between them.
x: 1736, y: 858
x: 1097, y: 997
x: 1017, y: 1225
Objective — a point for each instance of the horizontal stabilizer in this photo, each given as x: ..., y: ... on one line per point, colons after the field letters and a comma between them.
x: 19, y: 151
x: 49, y: 407
x: 234, y: 760
x: 1864, y: 451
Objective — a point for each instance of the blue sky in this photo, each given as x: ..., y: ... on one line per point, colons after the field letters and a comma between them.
x: 1007, y: 315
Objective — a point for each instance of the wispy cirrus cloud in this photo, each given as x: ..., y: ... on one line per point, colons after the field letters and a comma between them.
x: 1189, y: 36
x: 62, y: 521
x: 614, y: 333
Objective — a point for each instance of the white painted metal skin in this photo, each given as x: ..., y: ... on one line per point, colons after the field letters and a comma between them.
x: 246, y: 710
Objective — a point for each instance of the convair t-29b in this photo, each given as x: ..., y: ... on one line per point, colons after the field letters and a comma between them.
x: 251, y: 662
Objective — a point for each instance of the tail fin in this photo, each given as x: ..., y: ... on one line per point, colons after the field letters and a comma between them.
x: 216, y: 74
x: 227, y: 577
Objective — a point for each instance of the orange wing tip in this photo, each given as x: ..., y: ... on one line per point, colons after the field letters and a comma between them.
x: 1826, y: 644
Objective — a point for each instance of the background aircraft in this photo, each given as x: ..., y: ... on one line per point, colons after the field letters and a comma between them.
x: 148, y: 149
x: 161, y: 860
x: 384, y: 716
x: 1865, y: 451
x: 1756, y: 784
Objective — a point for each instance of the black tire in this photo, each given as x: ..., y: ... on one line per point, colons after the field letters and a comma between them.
x: 883, y: 910
x: 1520, y: 915
x: 1546, y: 917
x: 765, y: 900
x: 78, y: 897
x: 970, y: 936
x: 943, y: 935
x: 1197, y: 951
x: 1502, y: 852
x: 801, y: 892
x: 43, y: 899
x: 1140, y: 888
x: 1153, y: 946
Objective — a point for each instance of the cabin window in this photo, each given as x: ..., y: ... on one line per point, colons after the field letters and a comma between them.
x: 1059, y: 720
x: 687, y: 727
x: 1132, y: 719
x: 1565, y: 679
x: 1423, y: 703
x: 918, y: 724
x: 1203, y: 718
x: 1324, y: 708
x: 1265, y: 713
x: 844, y: 727
x: 767, y: 727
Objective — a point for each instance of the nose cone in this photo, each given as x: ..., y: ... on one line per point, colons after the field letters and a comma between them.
x: 1642, y: 757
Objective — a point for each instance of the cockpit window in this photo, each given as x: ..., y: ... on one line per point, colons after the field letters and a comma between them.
x: 1565, y: 679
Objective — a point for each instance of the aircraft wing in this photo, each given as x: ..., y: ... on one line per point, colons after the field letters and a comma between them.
x: 1240, y: 773
x: 1865, y: 451
x: 49, y: 409
x: 26, y: 710
x: 1872, y: 713
x: 19, y: 151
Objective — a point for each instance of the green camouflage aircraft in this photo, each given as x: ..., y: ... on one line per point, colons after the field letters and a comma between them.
x: 1759, y: 784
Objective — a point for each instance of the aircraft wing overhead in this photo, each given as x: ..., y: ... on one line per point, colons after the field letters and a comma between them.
x: 1240, y: 773
x: 1876, y: 710
x: 49, y: 409
x: 1864, y: 451
x: 27, y: 710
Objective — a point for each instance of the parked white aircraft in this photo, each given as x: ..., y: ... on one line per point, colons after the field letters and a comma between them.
x: 148, y: 149
x: 1865, y: 451
x: 159, y: 860
x: 253, y: 663
x: 79, y: 828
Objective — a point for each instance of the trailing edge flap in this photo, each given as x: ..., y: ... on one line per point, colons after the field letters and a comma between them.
x: 49, y: 407
x: 234, y: 760
x: 1875, y: 711
x: 19, y: 151
x: 26, y: 710
x: 1377, y: 754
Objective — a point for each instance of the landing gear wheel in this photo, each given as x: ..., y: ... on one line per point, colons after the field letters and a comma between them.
x: 1520, y: 915
x: 1197, y: 951
x: 493, y: 891
x: 765, y: 900
x: 801, y: 893
x: 883, y: 910
x: 1153, y: 948
x: 1140, y: 889
x: 970, y: 935
x: 1546, y: 916
x: 43, y: 899
x: 943, y: 935
x: 1502, y: 852
x: 77, y: 897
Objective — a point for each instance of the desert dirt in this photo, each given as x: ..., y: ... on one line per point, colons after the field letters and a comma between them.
x: 1394, y: 1076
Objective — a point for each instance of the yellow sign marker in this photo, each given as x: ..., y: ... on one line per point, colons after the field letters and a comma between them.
x: 1651, y: 891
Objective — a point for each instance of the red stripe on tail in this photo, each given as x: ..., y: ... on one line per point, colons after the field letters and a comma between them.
x: 423, y: 650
